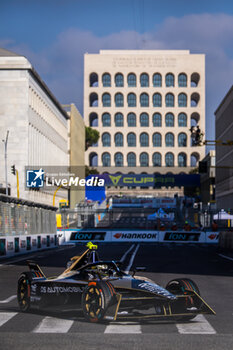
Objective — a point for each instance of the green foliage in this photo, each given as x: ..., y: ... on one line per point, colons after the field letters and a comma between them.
x: 91, y: 137
x: 90, y: 171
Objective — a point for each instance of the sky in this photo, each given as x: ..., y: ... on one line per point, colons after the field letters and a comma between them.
x: 55, y: 34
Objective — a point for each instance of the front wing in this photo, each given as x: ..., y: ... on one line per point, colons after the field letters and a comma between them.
x: 115, y: 312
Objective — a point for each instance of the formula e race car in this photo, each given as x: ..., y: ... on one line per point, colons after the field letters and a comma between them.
x: 103, y: 291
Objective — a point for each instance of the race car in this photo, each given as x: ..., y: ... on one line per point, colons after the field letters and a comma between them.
x: 104, y: 292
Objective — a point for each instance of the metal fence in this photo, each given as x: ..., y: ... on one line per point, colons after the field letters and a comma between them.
x: 19, y: 217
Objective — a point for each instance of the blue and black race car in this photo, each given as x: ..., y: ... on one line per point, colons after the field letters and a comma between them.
x: 103, y: 291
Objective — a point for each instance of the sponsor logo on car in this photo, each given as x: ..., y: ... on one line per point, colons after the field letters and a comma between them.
x: 51, y: 290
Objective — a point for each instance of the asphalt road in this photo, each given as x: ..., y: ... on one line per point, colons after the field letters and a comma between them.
x: 65, y: 330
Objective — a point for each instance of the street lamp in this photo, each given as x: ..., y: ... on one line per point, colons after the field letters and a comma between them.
x: 5, y: 146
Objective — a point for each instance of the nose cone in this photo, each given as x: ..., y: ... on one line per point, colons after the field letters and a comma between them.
x: 153, y: 288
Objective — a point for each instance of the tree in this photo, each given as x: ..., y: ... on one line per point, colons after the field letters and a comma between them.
x: 92, y: 136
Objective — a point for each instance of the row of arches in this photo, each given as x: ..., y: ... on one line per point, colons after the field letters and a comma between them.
x: 144, y: 80
x: 131, y: 140
x: 131, y: 161
x: 144, y: 100
x: 144, y: 119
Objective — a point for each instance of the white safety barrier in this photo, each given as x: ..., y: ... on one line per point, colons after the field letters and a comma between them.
x: 20, y: 244
x: 85, y: 235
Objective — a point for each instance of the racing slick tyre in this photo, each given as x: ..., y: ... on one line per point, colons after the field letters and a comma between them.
x: 96, y: 299
x: 23, y: 291
x: 178, y: 287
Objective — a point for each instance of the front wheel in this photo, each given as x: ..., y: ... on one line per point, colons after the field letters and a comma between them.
x: 96, y: 299
x: 23, y: 291
x: 178, y: 287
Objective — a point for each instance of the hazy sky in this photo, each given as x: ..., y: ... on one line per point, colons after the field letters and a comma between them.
x: 54, y: 35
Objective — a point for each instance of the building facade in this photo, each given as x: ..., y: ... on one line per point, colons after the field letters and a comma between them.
x: 143, y: 103
x: 37, y: 125
x: 224, y: 153
x: 76, y: 151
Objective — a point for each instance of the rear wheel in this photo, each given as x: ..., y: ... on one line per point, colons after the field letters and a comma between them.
x: 96, y: 299
x: 23, y: 291
x: 178, y: 287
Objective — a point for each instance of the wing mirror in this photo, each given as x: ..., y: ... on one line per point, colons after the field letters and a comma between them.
x: 138, y: 269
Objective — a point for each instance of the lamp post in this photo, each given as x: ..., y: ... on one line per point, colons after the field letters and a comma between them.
x: 5, y: 146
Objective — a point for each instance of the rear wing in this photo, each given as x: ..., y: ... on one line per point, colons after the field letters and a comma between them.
x: 35, y: 269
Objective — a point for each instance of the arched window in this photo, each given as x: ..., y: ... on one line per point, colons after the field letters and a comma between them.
x: 170, y: 81
x: 182, y: 160
x: 131, y: 99
x: 169, y: 100
x: 119, y: 120
x: 144, y: 119
x: 106, y: 80
x: 169, y: 159
x: 131, y: 139
x: 93, y: 100
x: 93, y: 79
x: 131, y: 80
x: 144, y: 159
x: 157, y: 80
x: 131, y: 119
x: 157, y: 119
x: 182, y: 140
x: 169, y: 119
x: 157, y: 139
x: 144, y: 80
x: 119, y: 80
x: 182, y: 80
x: 106, y: 119
x: 169, y: 139
x: 195, y: 118
x: 106, y: 159
x: 118, y: 139
x: 119, y: 102
x: 195, y: 157
x: 144, y: 139
x: 106, y: 139
x: 156, y: 159
x: 157, y: 100
x: 93, y: 159
x: 118, y: 158
x: 93, y: 119
x: 144, y: 100
x: 131, y: 159
x: 195, y: 98
x: 195, y: 77
x: 182, y: 119
x: 182, y: 100
x: 106, y: 100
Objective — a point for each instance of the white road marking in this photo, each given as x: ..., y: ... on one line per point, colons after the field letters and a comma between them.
x: 6, y: 316
x: 53, y: 325
x: 8, y: 299
x: 132, y: 259
x: 199, y: 325
x: 127, y: 252
x: 123, y: 327
x: 225, y: 257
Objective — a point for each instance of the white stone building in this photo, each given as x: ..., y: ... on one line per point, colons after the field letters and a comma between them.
x: 143, y: 103
x: 224, y: 152
x: 36, y: 122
